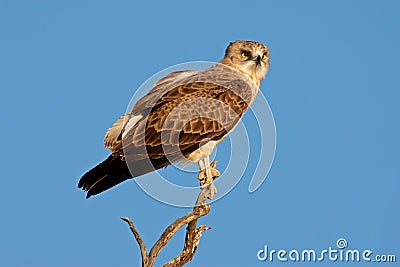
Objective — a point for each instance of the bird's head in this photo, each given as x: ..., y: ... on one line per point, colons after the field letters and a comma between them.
x: 251, y: 58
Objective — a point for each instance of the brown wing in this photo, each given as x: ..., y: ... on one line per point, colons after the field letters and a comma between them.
x: 113, y: 137
x: 205, y: 106
x: 162, y: 87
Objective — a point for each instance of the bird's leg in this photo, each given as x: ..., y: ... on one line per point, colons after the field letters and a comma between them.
x: 202, y: 174
x: 201, y: 165
x: 209, y: 182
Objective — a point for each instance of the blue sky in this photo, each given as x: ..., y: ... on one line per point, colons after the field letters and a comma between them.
x: 68, y: 70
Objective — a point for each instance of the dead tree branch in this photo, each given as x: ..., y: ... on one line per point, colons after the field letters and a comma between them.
x: 193, y: 234
x: 142, y: 246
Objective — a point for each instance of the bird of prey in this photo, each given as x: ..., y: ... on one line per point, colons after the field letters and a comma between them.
x: 181, y: 119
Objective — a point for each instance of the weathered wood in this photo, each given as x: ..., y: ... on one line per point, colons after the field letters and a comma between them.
x: 139, y: 240
x: 193, y: 234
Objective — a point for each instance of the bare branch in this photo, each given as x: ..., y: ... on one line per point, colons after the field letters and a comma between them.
x: 193, y: 234
x: 190, y: 218
x: 190, y: 248
x: 142, y: 245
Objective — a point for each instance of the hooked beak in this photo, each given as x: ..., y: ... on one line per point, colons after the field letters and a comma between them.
x: 258, y: 60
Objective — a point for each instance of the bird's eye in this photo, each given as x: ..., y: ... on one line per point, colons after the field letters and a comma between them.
x: 264, y: 57
x: 245, y: 54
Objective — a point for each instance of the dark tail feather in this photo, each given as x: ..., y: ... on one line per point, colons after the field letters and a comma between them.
x: 114, y: 170
x: 107, y: 174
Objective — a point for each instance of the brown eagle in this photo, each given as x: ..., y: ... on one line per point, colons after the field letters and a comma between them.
x: 182, y: 118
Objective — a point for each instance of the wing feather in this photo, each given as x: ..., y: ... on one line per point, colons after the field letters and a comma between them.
x: 184, y: 109
x: 113, y: 134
